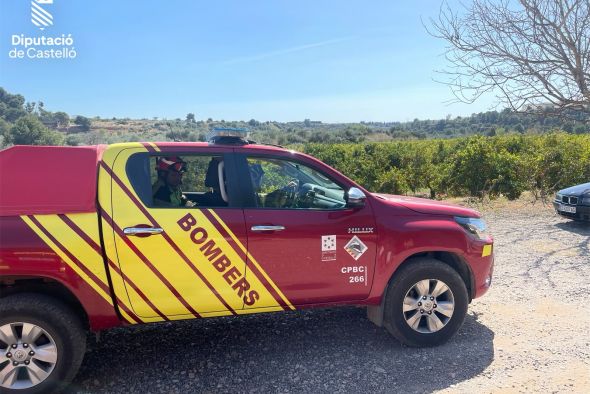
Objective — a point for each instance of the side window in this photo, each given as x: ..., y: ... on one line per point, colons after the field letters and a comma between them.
x: 285, y: 184
x: 188, y: 181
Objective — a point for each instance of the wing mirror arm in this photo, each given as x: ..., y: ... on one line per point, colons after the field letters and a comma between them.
x: 355, y: 198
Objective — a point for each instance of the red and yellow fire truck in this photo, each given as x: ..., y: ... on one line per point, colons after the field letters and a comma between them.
x: 95, y: 237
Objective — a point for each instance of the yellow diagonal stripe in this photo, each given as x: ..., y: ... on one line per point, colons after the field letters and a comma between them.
x: 252, y: 259
x: 88, y: 225
x: 66, y: 259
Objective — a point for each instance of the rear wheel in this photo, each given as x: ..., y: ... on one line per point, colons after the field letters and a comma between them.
x: 426, y: 303
x: 42, y: 344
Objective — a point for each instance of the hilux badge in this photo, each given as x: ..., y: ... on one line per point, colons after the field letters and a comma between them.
x: 355, y: 247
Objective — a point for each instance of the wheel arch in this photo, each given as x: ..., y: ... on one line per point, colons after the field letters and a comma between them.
x: 50, y: 287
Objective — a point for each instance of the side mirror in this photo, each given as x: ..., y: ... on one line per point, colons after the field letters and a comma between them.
x: 355, y: 198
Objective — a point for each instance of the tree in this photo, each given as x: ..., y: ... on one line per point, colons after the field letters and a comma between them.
x: 43, y: 114
x: 4, y: 127
x: 30, y: 107
x: 29, y: 130
x: 83, y: 122
x: 190, y: 117
x: 62, y: 119
x: 533, y: 54
x: 11, y: 106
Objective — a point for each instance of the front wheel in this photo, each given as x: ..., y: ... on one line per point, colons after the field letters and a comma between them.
x: 42, y: 344
x: 426, y: 303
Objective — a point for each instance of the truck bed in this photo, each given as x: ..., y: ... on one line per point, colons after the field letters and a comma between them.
x: 36, y: 180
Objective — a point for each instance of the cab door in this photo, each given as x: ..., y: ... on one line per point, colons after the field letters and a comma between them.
x: 316, y: 250
x: 174, y: 262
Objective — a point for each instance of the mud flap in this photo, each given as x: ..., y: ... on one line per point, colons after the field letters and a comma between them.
x: 375, y: 314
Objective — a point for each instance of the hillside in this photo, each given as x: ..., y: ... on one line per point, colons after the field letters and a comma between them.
x: 30, y: 123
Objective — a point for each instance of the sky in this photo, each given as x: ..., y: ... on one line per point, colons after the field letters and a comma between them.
x: 334, y: 61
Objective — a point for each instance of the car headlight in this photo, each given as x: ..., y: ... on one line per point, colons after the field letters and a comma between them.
x: 558, y: 197
x: 586, y: 199
x: 475, y: 227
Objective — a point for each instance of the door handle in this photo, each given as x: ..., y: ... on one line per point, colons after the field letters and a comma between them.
x: 142, y: 231
x: 267, y: 228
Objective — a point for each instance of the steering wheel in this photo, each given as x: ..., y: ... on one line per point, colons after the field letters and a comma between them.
x: 291, y: 192
x: 306, y: 196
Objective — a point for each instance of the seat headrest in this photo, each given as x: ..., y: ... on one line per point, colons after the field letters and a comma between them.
x: 212, y: 176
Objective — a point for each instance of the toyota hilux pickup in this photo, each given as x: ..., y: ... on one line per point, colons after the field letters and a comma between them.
x: 95, y: 237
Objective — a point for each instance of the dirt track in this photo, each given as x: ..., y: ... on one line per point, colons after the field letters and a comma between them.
x: 537, y: 305
x: 529, y: 333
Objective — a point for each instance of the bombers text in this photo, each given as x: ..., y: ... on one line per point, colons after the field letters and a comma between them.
x: 219, y: 260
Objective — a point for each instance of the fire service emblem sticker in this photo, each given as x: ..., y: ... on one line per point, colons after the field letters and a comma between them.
x: 328, y: 247
x: 355, y: 247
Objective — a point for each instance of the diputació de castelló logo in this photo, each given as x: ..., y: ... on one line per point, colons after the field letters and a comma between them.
x: 40, y: 15
x: 59, y: 46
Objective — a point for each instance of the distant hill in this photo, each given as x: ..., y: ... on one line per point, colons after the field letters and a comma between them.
x: 25, y: 122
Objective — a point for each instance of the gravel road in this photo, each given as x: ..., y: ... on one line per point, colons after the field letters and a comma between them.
x: 529, y: 333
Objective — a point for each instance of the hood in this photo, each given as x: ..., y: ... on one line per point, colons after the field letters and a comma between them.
x: 576, y: 190
x: 423, y: 205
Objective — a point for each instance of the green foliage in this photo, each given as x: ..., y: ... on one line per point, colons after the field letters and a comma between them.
x: 481, y: 166
x: 83, y: 122
x: 475, y: 166
x: 4, y: 127
x: 11, y: 106
x: 29, y: 130
x: 557, y: 160
x: 62, y: 119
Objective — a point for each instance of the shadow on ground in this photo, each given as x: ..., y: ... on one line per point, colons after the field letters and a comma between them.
x: 577, y: 227
x: 323, y: 350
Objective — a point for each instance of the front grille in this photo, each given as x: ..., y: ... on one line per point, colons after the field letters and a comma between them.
x: 569, y: 200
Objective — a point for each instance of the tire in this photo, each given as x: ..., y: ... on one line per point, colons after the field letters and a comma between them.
x: 62, y: 344
x: 411, y: 324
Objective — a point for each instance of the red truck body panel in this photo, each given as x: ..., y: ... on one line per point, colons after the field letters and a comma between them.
x: 23, y: 254
x: 48, y: 189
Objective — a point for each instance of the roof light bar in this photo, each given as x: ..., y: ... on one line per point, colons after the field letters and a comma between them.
x: 228, y: 135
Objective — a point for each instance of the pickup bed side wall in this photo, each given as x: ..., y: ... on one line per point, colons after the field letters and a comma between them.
x: 64, y: 248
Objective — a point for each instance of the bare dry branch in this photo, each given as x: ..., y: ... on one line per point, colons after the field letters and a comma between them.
x: 533, y: 55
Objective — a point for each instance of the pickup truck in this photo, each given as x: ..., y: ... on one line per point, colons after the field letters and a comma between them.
x: 95, y: 237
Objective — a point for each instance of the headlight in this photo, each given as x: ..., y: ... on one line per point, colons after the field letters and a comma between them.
x: 586, y: 199
x: 475, y: 227
x: 558, y: 197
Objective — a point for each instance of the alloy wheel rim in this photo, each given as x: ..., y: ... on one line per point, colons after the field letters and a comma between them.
x: 28, y: 355
x: 428, y: 306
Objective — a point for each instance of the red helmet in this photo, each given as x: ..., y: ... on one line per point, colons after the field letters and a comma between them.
x: 170, y: 163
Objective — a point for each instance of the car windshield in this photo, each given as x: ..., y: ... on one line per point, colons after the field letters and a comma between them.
x: 309, y: 175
